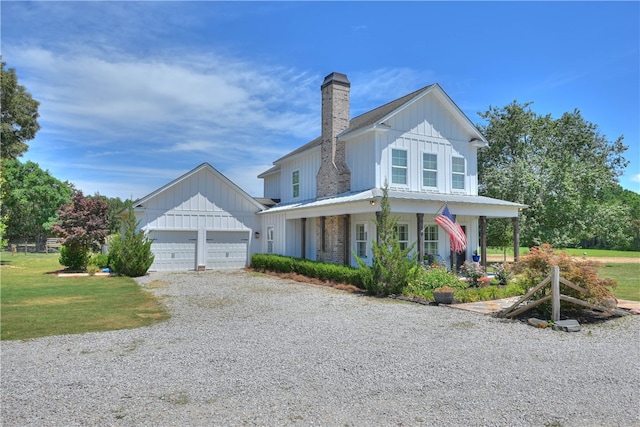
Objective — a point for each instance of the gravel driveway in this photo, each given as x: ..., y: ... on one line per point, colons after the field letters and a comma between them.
x: 249, y: 349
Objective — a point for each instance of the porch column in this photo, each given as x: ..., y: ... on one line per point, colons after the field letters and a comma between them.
x: 303, y: 251
x: 378, y: 215
x: 347, y: 243
x: 516, y: 238
x: 420, y: 217
x: 323, y: 233
x: 483, y: 241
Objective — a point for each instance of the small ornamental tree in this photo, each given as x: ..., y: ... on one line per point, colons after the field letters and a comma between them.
x: 536, y: 265
x: 130, y: 251
x: 83, y: 227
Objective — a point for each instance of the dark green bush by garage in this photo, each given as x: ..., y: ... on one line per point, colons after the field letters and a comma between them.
x: 305, y: 267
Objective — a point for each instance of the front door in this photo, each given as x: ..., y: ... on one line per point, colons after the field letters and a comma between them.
x: 460, y: 257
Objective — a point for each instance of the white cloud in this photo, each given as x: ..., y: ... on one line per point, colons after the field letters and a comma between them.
x: 635, y: 178
x: 124, y: 117
x: 114, y: 96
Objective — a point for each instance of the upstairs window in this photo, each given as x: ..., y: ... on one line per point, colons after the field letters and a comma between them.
x: 431, y: 240
x: 402, y: 232
x: 429, y: 170
x: 399, y: 167
x: 361, y: 240
x: 457, y: 173
x: 295, y: 179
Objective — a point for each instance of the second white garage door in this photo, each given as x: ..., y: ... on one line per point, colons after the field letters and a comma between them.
x: 227, y: 249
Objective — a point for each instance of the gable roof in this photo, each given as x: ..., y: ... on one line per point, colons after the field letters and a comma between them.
x: 380, y: 114
x: 203, y: 166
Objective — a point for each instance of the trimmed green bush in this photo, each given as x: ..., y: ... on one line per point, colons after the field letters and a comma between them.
x: 436, y: 277
x: 73, y: 257
x: 308, y: 268
x: 99, y: 260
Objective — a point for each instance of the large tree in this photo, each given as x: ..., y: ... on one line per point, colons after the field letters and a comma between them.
x: 19, y: 115
x: 116, y: 206
x: 562, y: 168
x: 30, y: 200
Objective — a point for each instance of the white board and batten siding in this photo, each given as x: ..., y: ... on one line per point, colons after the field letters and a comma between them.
x: 426, y: 126
x: 307, y: 165
x: 432, y: 129
x: 200, y: 221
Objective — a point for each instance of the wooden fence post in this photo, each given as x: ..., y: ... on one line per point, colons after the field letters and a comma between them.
x: 555, y: 293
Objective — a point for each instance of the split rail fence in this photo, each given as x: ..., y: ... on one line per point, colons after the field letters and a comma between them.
x: 554, y: 281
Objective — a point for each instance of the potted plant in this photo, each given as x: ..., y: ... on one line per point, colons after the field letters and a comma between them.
x: 475, y: 256
x: 443, y: 295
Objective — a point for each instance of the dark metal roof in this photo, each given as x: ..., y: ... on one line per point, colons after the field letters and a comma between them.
x: 364, y: 120
x: 374, y: 116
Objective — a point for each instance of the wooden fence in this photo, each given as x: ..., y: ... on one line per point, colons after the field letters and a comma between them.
x: 554, y: 281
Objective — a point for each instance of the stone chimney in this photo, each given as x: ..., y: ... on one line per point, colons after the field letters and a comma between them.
x: 334, y: 176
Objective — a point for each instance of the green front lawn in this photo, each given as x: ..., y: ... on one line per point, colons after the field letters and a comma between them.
x: 35, y: 302
x: 627, y: 276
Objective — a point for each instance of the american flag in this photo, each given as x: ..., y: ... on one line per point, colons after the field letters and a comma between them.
x: 456, y: 235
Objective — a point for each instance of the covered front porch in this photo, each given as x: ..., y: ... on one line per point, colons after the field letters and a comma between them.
x: 339, y: 229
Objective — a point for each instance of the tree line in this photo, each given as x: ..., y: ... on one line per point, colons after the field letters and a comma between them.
x: 563, y: 169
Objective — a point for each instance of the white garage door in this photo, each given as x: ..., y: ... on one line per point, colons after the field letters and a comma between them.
x: 227, y: 249
x: 173, y: 250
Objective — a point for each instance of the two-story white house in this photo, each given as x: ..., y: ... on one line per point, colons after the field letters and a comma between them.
x: 421, y: 145
x: 321, y: 200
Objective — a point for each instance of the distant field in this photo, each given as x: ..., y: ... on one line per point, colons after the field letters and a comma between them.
x: 590, y: 253
x: 621, y: 266
x: 35, y: 302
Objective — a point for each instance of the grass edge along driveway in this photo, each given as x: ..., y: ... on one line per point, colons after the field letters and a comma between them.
x: 35, y: 302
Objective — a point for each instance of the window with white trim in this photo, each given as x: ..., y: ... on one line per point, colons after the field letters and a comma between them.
x: 295, y: 179
x: 457, y: 173
x: 431, y: 240
x: 429, y: 170
x: 399, y: 167
x: 402, y: 232
x: 270, y: 240
x: 361, y: 240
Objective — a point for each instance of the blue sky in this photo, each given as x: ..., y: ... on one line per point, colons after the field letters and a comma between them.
x: 134, y: 94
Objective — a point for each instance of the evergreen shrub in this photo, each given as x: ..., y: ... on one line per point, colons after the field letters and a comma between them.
x: 130, y: 251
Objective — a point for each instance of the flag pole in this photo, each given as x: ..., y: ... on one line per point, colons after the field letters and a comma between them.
x: 439, y: 211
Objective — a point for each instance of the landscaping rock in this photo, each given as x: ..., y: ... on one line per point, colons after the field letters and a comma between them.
x: 537, y: 323
x: 568, y: 325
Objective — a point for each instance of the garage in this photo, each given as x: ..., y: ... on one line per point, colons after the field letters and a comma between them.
x: 200, y: 221
x: 173, y: 250
x: 227, y: 249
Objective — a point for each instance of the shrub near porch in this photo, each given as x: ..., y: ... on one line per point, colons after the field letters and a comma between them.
x: 430, y: 279
x: 435, y: 277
